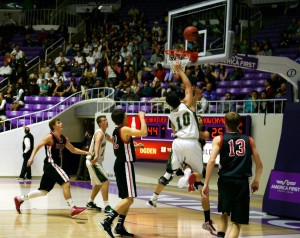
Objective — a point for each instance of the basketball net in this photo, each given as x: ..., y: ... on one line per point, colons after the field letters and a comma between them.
x: 181, y: 56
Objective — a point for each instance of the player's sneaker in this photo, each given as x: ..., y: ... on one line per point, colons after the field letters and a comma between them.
x: 151, y: 203
x: 107, y: 228
x: 209, y: 227
x: 18, y: 203
x: 93, y: 206
x: 191, y: 181
x: 108, y: 209
x: 76, y: 211
x: 121, y: 231
x: 182, y: 182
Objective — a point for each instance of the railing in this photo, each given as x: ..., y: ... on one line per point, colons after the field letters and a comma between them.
x: 212, y: 107
x: 274, y: 106
x: 61, y: 104
x: 50, y: 17
x: 105, y: 102
x: 86, y: 2
x: 59, y: 43
x: 3, y: 83
x: 35, y: 62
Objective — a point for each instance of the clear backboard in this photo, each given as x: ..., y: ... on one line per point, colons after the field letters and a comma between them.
x: 213, y: 21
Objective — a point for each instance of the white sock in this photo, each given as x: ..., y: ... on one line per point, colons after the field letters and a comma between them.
x: 70, y: 203
x: 34, y: 194
x: 105, y: 203
x: 154, y: 197
x: 187, y: 172
x: 167, y: 175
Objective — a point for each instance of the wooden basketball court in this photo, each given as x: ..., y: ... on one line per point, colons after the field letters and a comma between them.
x: 179, y: 214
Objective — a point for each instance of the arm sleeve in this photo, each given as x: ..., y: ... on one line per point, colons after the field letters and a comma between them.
x: 27, y: 145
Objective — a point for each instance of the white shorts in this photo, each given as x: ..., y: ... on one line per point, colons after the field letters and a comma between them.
x: 187, y: 151
x: 97, y: 173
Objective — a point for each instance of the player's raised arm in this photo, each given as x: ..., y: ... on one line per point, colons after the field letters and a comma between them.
x: 127, y: 131
x: 188, y: 99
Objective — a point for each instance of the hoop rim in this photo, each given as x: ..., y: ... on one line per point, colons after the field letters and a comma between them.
x: 185, y: 53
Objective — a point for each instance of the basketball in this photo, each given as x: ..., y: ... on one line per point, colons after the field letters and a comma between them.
x: 190, y: 33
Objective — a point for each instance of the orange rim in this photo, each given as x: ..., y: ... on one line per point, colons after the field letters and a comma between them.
x: 178, y: 53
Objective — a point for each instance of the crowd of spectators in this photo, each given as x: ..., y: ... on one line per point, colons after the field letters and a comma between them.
x: 114, y: 55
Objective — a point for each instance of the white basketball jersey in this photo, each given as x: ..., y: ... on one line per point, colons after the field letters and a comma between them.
x: 102, y: 146
x: 185, y: 122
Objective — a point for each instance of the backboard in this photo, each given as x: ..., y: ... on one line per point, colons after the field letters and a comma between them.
x: 213, y: 21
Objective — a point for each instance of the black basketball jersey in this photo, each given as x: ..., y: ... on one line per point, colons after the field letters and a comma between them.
x: 54, y: 152
x: 124, y: 151
x: 235, y: 155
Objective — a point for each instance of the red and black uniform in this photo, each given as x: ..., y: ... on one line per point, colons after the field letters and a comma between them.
x: 235, y: 170
x: 123, y: 168
x: 53, y: 172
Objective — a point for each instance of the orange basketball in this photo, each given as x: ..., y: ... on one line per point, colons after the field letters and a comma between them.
x: 190, y: 33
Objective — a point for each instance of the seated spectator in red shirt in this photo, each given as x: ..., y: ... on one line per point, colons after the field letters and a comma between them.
x: 160, y: 72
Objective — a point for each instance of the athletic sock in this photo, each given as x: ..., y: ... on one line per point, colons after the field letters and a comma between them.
x: 154, y: 197
x: 111, y: 216
x: 91, y: 200
x: 221, y: 234
x: 34, y: 194
x: 70, y: 203
x: 121, y: 221
x: 207, y: 215
x: 105, y: 203
x: 187, y: 172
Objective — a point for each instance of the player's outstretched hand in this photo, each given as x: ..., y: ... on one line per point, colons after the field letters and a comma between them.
x: 177, y: 66
x: 141, y: 114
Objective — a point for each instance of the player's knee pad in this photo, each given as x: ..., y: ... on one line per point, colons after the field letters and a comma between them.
x: 164, y: 181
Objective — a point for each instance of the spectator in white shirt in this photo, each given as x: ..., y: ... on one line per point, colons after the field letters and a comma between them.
x: 5, y: 70
x: 90, y: 58
x: 79, y: 58
x: 17, y: 52
x: 60, y: 57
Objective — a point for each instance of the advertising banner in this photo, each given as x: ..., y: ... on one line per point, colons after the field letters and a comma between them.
x: 285, y: 186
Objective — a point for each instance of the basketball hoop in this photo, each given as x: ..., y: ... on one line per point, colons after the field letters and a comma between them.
x: 181, y: 56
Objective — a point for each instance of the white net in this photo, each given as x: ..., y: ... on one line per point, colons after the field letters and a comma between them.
x: 180, y: 56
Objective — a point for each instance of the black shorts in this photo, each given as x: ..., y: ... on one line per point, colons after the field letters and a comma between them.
x: 52, y: 174
x: 125, y: 178
x: 234, y: 198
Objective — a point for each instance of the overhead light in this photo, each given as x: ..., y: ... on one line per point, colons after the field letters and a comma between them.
x: 99, y: 7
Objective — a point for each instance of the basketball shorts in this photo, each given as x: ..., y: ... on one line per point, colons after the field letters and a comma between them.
x: 52, y: 174
x: 97, y: 173
x: 187, y: 151
x: 125, y: 178
x: 234, y: 198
